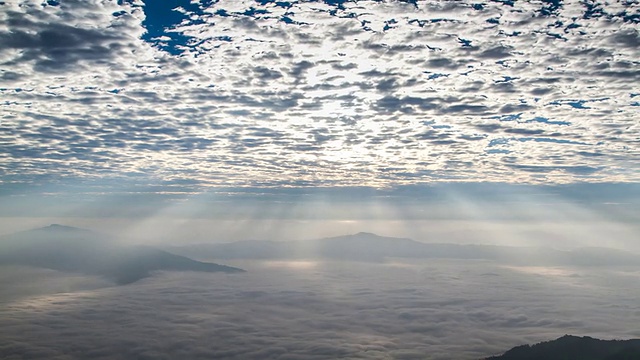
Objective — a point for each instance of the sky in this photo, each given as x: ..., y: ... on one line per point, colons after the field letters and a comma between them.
x: 307, y: 110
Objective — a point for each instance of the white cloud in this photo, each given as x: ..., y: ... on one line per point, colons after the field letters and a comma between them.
x: 373, y: 93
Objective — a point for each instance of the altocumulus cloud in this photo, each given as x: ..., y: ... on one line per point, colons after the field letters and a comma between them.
x: 440, y: 310
x: 319, y: 93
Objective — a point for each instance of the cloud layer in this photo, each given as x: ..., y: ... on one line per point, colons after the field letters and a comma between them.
x: 302, y: 310
x: 262, y: 93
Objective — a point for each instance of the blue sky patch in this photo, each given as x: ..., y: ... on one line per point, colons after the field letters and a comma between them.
x: 162, y: 19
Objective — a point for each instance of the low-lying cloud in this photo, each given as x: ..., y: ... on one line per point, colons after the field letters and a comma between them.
x: 310, y: 310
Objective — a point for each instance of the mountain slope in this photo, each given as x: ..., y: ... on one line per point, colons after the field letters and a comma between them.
x: 575, y: 348
x: 76, y: 250
x: 371, y: 247
x: 361, y: 246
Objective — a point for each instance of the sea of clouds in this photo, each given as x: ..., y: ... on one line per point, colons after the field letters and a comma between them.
x: 312, y: 310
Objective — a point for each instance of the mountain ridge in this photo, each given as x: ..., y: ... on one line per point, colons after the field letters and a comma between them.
x: 364, y: 246
x: 70, y: 249
x: 570, y: 347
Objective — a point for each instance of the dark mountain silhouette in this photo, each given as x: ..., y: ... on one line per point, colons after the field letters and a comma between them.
x: 575, y: 348
x: 370, y: 247
x: 71, y: 249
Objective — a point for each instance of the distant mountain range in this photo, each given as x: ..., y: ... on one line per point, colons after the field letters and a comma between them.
x: 370, y: 247
x: 71, y: 249
x: 575, y: 348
